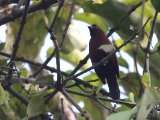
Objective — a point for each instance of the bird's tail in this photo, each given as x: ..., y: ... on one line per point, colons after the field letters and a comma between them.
x: 113, y: 88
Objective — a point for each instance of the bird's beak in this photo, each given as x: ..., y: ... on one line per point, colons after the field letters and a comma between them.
x: 90, y: 28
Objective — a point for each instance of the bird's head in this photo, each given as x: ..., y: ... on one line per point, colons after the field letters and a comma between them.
x: 97, y: 35
x: 93, y: 28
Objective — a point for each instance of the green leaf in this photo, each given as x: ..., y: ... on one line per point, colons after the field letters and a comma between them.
x: 157, y: 48
x: 112, y: 12
x: 24, y: 72
x: 45, y: 80
x: 33, y: 35
x: 125, y: 115
x: 2, y: 95
x: 130, y: 83
x: 156, y: 4
x: 145, y: 79
x: 92, y: 76
x: 150, y: 98
x: 157, y: 30
x: 2, y: 46
x: 91, y: 19
x: 131, y: 97
x: 123, y: 62
x: 36, y: 106
x: 74, y: 57
x: 3, y: 62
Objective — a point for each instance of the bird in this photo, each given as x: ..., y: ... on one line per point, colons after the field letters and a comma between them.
x: 99, y: 48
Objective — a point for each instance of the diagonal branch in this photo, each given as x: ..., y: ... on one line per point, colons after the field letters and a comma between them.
x: 18, y: 37
x: 117, y: 26
x: 83, y: 113
x: 40, y: 6
x: 51, y: 27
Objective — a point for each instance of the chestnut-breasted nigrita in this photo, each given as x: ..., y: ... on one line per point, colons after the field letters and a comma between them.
x: 99, y: 48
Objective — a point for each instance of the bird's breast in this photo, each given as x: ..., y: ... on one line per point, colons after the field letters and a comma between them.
x: 97, y: 56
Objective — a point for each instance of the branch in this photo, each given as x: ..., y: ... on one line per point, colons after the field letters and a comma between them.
x: 7, y: 2
x: 131, y: 105
x: 50, y: 29
x: 83, y: 113
x: 40, y: 6
x: 117, y: 26
x: 147, y: 52
x: 16, y: 94
x: 81, y: 63
x: 18, y: 37
x: 67, y: 24
x: 56, y: 15
x: 52, y: 69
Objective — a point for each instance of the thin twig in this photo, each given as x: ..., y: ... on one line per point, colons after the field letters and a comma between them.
x: 50, y: 28
x: 16, y: 94
x: 12, y: 16
x: 147, y: 53
x: 44, y: 64
x: 141, y: 21
x: 59, y: 80
x: 67, y: 24
x: 117, y: 26
x: 18, y: 37
x: 63, y: 36
x: 56, y: 15
x: 13, y: 56
x: 48, y: 97
x: 131, y: 105
x: 83, y: 113
x: 81, y: 63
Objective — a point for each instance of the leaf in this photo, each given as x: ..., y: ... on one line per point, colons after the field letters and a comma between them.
x: 36, y: 106
x: 131, y: 97
x: 50, y: 51
x: 157, y: 29
x: 156, y: 4
x: 2, y: 95
x: 2, y: 46
x: 114, y: 11
x: 123, y: 62
x: 150, y: 98
x: 45, y: 80
x: 157, y: 48
x: 3, y: 62
x: 92, y: 76
x: 91, y: 19
x: 33, y: 35
x: 24, y: 72
x: 130, y: 83
x: 74, y: 57
x: 145, y: 79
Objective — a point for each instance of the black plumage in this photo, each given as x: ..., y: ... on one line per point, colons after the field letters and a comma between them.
x: 109, y: 71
